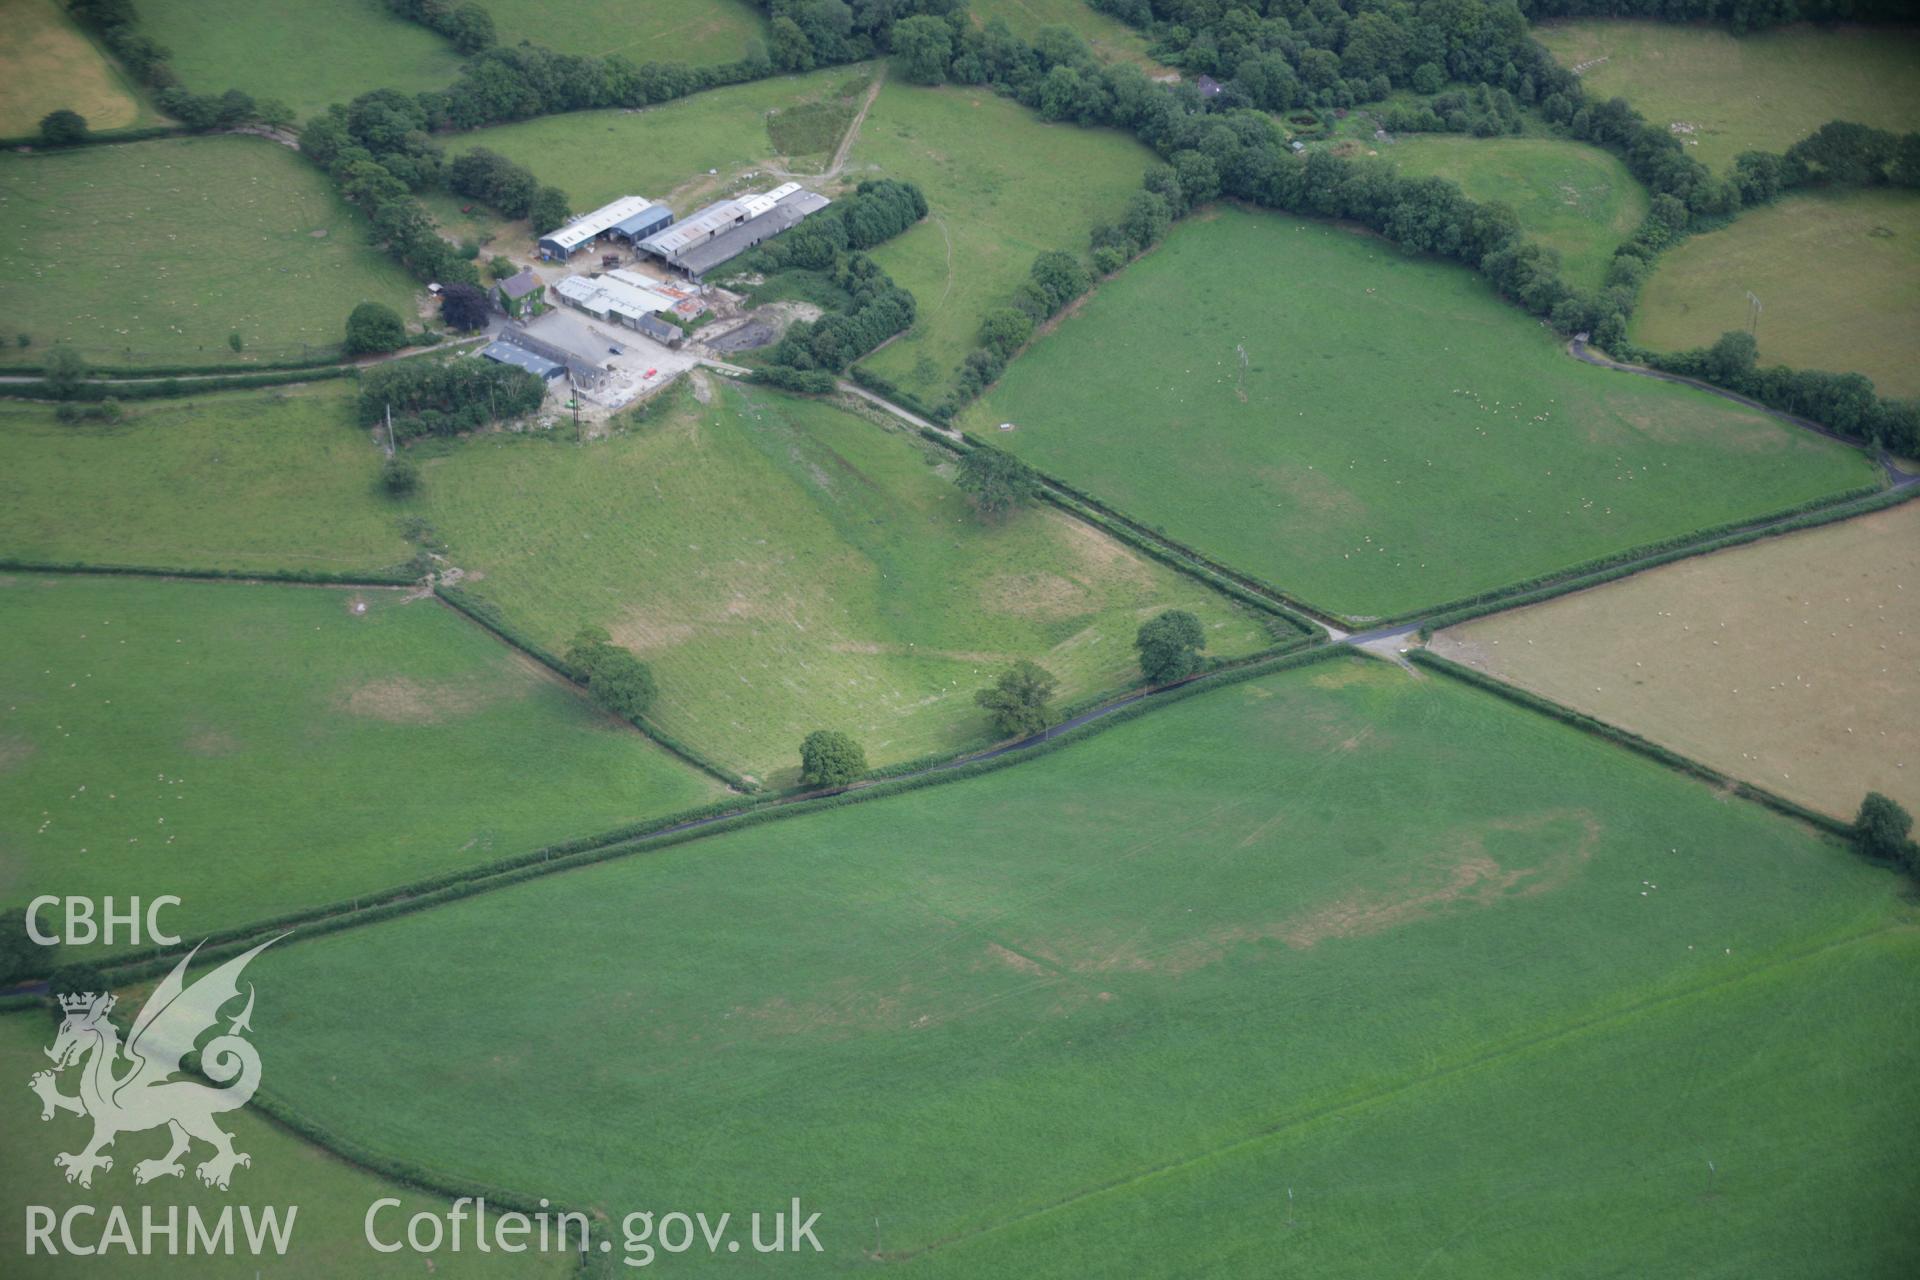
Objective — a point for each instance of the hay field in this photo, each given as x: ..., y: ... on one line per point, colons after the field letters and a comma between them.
x: 1578, y: 200
x: 306, y: 55
x: 1003, y: 185
x: 47, y: 63
x: 255, y: 749
x: 692, y: 31
x: 785, y: 567
x: 1386, y: 940
x: 259, y: 480
x: 1838, y: 277
x: 1375, y: 433
x: 1763, y: 91
x: 1789, y: 663
x: 153, y: 252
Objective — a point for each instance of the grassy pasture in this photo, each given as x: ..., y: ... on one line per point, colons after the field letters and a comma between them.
x: 1573, y: 198
x: 255, y: 749
x: 1024, y: 1005
x: 787, y: 567
x: 153, y: 252
x: 1788, y: 663
x: 47, y: 63
x: 665, y: 151
x: 1003, y: 185
x: 693, y: 31
x: 1763, y: 91
x: 1838, y: 277
x: 332, y: 1195
x: 307, y: 55
x: 236, y: 480
x: 1111, y: 39
x: 1397, y: 436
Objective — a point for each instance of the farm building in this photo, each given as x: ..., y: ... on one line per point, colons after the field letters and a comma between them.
x: 628, y: 218
x: 721, y: 232
x: 521, y: 295
x: 618, y: 297
x: 660, y: 331
x: 506, y: 352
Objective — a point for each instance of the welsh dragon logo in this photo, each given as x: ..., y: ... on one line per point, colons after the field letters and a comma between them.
x: 143, y: 1086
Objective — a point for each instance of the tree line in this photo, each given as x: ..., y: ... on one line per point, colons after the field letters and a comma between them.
x: 434, y: 397
x: 877, y: 211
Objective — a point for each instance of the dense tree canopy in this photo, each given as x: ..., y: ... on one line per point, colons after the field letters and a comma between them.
x: 1018, y: 699
x: 1169, y: 646
x: 373, y: 329
x: 829, y: 758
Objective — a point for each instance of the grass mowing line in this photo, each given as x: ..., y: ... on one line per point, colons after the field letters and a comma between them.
x: 675, y: 829
x: 1374, y: 1097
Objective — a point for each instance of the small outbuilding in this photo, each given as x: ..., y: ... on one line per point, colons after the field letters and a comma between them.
x: 504, y: 352
x: 660, y: 331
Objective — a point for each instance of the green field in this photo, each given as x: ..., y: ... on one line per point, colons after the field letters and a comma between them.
x: 787, y: 567
x: 154, y: 252
x: 1111, y: 39
x: 1373, y: 432
x: 255, y: 749
x: 47, y: 64
x: 331, y: 1195
x: 1837, y: 275
x: 665, y: 151
x: 1004, y: 186
x: 306, y: 55
x: 692, y: 31
x: 1577, y: 200
x: 1385, y: 940
x: 1730, y: 93
x: 255, y: 480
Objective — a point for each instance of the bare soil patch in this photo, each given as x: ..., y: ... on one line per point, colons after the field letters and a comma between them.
x: 1788, y: 663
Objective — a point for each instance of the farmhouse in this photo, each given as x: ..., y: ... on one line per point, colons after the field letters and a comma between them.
x: 629, y: 218
x: 721, y: 232
x: 521, y: 295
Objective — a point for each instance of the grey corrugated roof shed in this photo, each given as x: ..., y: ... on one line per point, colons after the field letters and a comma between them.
x: 657, y: 329
x: 784, y: 216
x: 521, y: 358
x: 519, y: 286
x: 646, y: 217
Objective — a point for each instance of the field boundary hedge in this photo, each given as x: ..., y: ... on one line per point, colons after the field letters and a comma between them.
x: 484, y: 614
x: 166, y: 387
x: 302, y: 577
x: 1521, y: 595
x: 665, y: 832
x: 1630, y: 740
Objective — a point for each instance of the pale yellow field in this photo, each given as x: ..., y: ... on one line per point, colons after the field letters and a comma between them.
x: 1793, y: 663
x: 47, y: 65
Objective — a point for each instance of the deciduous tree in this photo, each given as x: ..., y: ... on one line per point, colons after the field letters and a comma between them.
x: 829, y: 758
x: 1019, y: 698
x: 1170, y: 646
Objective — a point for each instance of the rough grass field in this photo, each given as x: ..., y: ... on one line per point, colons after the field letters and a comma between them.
x: 1838, y: 277
x: 1578, y: 200
x: 692, y: 31
x: 1788, y: 663
x: 306, y: 55
x: 154, y: 252
x: 1003, y: 185
x: 238, y: 480
x: 1373, y: 432
x: 332, y: 1195
x: 1111, y: 39
x: 1730, y: 93
x: 255, y: 749
x: 787, y: 567
x: 47, y: 64
x: 1387, y: 941
x: 665, y: 151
